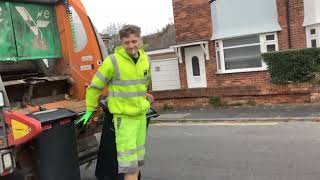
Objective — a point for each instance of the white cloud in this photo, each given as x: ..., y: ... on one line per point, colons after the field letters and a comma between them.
x: 150, y: 15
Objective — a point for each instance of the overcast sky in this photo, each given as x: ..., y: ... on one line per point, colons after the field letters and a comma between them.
x: 150, y: 15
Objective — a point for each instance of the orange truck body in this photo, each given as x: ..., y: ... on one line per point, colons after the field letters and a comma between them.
x: 71, y: 62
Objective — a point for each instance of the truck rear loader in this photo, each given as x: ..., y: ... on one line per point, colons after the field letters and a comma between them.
x: 49, y: 52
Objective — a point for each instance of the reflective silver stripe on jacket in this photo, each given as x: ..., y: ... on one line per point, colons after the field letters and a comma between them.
x: 93, y: 85
x: 119, y: 82
x: 129, y: 82
x: 116, y: 66
x: 126, y: 94
x: 102, y: 78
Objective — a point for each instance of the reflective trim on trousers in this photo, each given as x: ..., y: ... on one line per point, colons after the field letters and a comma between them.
x: 128, y: 170
x: 130, y: 152
x: 128, y: 163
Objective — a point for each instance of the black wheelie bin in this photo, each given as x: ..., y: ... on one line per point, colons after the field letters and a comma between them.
x: 55, y: 149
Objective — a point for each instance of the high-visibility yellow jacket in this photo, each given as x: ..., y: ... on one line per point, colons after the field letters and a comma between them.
x: 127, y: 84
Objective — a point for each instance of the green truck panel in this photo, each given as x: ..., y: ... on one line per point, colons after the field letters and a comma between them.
x: 35, y: 32
x: 7, y: 41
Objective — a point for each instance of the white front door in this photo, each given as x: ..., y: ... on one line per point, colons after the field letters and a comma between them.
x: 196, y: 69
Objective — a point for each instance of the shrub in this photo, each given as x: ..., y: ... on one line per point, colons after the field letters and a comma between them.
x: 215, y: 101
x: 293, y: 65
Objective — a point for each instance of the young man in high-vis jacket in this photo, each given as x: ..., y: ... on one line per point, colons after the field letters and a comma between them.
x: 126, y: 73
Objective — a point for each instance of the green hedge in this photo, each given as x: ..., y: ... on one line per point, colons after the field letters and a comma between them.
x: 293, y: 65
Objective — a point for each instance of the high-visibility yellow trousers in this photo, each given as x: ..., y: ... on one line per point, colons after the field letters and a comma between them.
x: 130, y: 140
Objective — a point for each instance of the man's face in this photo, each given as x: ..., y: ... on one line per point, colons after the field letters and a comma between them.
x: 131, y: 44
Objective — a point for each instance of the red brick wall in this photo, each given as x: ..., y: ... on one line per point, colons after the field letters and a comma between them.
x: 232, y: 101
x: 283, y: 35
x: 183, y: 72
x: 192, y: 20
x: 296, y: 18
x: 238, y: 95
x: 211, y: 67
x: 181, y: 103
x: 193, y: 23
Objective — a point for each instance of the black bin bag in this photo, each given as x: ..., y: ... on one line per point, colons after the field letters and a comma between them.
x: 107, y: 163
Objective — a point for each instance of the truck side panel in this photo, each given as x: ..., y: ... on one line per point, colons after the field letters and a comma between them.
x: 7, y: 40
x: 35, y: 29
x: 80, y: 52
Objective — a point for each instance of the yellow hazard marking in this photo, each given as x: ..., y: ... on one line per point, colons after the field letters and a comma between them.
x: 19, y: 129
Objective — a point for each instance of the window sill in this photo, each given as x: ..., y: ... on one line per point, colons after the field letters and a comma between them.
x: 242, y: 71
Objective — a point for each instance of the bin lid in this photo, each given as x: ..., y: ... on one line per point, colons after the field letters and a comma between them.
x: 152, y: 113
x: 53, y: 115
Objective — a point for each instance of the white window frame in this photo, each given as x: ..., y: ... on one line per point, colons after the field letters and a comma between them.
x: 263, y: 46
x: 311, y: 37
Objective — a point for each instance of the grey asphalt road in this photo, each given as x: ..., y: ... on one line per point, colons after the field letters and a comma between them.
x: 270, y: 151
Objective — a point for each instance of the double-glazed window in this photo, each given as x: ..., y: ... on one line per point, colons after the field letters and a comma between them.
x: 243, y: 54
x: 312, y: 22
x: 313, y: 36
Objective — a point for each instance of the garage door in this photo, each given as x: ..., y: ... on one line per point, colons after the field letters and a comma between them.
x: 165, y: 75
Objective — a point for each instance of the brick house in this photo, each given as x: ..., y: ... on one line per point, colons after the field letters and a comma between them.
x: 219, y: 44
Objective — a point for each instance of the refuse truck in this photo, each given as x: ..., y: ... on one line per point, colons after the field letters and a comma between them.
x: 49, y: 52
